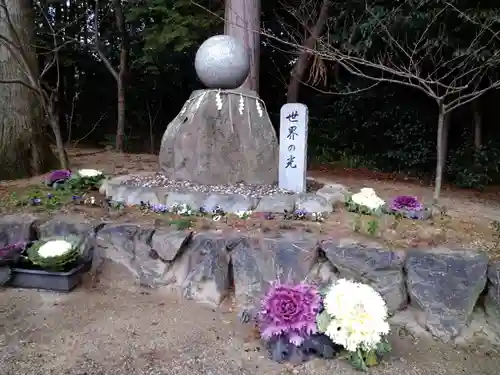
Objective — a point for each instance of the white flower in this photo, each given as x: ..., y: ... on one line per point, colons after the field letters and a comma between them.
x: 243, y: 214
x: 54, y: 248
x: 182, y: 209
x: 89, y: 173
x: 368, y: 198
x: 359, y: 315
x: 218, y: 100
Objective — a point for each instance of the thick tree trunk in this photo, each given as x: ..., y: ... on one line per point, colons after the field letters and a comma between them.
x: 122, y: 76
x: 24, y: 150
x: 242, y: 21
x: 304, y: 59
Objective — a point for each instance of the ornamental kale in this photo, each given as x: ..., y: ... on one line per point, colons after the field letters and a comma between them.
x: 406, y: 203
x: 289, y: 311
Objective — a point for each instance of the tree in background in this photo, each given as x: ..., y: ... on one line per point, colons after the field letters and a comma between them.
x: 450, y: 54
x: 242, y: 21
x: 24, y: 149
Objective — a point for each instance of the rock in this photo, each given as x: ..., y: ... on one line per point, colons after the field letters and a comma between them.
x: 230, y: 203
x: 130, y: 246
x: 313, y: 203
x: 444, y: 285
x: 210, y: 146
x: 277, y: 203
x: 17, y: 229
x: 194, y: 200
x: 168, y: 244
x: 333, y: 193
x: 257, y: 262
x: 134, y: 195
x: 380, y: 268
x: 202, y: 270
x: 5, y: 275
x: 492, y: 298
x: 63, y: 225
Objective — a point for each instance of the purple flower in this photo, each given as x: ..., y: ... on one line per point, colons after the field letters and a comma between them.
x: 60, y: 175
x: 159, y: 208
x: 406, y: 203
x: 11, y: 249
x: 36, y: 201
x: 289, y: 310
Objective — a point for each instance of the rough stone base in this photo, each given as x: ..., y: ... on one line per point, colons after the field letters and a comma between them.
x: 321, y: 201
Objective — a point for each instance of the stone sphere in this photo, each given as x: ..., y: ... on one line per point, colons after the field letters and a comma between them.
x: 222, y: 62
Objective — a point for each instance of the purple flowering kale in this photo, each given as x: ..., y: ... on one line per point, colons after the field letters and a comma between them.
x: 58, y: 176
x: 10, y: 254
x: 289, y: 311
x: 406, y: 203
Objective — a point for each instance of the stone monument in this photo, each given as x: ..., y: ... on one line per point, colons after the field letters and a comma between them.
x: 223, y: 134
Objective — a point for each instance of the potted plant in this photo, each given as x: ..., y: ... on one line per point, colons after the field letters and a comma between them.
x: 55, y: 263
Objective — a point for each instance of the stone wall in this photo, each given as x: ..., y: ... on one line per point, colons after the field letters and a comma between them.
x: 440, y: 287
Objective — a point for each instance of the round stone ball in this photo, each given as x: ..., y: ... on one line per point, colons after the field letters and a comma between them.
x: 222, y: 62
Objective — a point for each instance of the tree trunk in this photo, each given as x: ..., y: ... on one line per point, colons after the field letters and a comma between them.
x: 242, y: 21
x: 122, y: 76
x: 24, y: 150
x: 441, y: 152
x: 478, y: 124
x: 304, y: 59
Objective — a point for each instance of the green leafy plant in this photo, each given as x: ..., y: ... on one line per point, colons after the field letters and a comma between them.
x: 181, y: 224
x: 358, y: 223
x: 78, y: 184
x: 372, y: 227
x: 57, y: 263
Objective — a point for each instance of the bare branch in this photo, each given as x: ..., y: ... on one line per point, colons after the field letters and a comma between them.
x: 97, y: 48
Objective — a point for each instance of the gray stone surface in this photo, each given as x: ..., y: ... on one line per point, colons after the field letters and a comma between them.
x: 210, y: 146
x: 194, y: 200
x: 17, y: 229
x: 276, y: 203
x: 333, y: 193
x: 168, y: 244
x: 492, y: 298
x: 5, y: 274
x: 202, y: 271
x: 229, y: 202
x: 445, y: 285
x: 257, y: 262
x: 378, y: 267
x: 313, y: 203
x: 130, y: 246
x: 222, y: 61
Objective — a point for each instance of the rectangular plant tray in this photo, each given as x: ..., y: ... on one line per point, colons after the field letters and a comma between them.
x: 38, y: 279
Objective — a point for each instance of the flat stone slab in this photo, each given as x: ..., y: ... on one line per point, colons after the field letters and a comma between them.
x: 492, y: 298
x: 258, y: 262
x: 445, y: 285
x: 442, y: 286
x: 381, y: 268
x: 276, y: 203
x: 229, y: 202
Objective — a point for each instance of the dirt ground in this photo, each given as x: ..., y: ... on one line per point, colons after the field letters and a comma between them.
x: 119, y: 328
x: 467, y: 221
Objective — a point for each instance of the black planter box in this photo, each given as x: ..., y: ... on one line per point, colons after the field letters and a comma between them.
x: 39, y: 279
